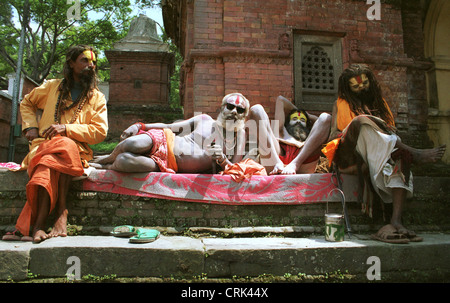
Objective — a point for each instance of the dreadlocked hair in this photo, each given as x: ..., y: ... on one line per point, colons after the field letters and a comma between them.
x: 68, y: 82
x: 378, y: 104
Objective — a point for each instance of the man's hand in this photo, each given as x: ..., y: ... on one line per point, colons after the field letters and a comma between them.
x: 31, y: 134
x: 53, y: 130
x: 130, y: 131
x: 215, y: 151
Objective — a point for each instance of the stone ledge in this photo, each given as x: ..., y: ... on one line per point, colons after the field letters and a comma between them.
x: 175, y: 256
x: 95, y: 210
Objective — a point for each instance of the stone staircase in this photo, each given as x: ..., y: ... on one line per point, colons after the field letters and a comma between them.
x: 209, y: 242
x: 93, y: 213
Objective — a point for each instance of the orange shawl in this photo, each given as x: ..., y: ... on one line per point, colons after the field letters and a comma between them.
x: 53, y: 157
x: 343, y: 119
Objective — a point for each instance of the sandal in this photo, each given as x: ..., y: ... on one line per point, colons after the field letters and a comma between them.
x: 16, y: 236
x: 145, y: 236
x: 411, y: 235
x: 124, y: 231
x: 389, y: 234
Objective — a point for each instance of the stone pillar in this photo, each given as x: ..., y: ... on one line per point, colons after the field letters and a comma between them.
x: 141, y: 66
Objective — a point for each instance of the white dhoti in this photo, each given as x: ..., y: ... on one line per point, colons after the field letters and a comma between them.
x: 376, y: 149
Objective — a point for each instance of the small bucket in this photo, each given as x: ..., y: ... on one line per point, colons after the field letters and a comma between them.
x: 335, y: 223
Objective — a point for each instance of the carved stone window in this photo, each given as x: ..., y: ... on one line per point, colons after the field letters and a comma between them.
x: 317, y: 67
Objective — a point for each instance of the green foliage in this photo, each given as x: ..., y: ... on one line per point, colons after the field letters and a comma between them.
x: 49, y: 32
x: 174, y: 101
x: 103, y: 147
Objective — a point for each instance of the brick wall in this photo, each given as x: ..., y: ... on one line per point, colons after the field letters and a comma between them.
x: 5, y: 119
x: 416, y: 75
x: 247, y: 46
x: 150, y: 69
x: 139, y: 89
x: 21, y: 148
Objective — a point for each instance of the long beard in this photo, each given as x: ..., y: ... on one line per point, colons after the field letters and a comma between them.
x: 88, y: 78
x: 364, y: 97
x: 298, y: 131
x: 230, y: 125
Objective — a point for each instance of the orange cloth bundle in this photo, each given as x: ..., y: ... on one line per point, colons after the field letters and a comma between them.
x: 244, y: 170
x: 330, y: 149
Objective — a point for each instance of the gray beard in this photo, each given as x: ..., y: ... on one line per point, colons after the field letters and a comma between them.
x: 230, y: 125
x: 297, y: 131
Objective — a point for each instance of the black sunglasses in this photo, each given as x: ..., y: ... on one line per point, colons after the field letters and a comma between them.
x: 240, y: 110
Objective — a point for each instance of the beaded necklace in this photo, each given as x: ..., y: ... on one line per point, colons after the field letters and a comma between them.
x: 229, y: 149
x: 59, y: 108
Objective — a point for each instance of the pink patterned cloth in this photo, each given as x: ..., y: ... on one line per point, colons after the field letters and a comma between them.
x: 222, y: 189
x: 9, y: 166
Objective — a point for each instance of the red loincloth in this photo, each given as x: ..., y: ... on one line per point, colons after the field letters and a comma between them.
x: 291, y: 152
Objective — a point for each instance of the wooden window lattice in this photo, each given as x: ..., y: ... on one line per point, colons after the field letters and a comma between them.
x: 317, y: 70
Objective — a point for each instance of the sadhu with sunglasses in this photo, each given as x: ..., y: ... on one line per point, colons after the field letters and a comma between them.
x: 196, y: 145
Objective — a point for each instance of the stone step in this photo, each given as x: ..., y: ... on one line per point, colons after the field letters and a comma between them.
x: 181, y: 257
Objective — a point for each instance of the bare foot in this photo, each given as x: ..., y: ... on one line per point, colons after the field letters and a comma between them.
x: 60, y: 227
x: 39, y: 235
x: 104, y: 159
x: 428, y: 155
x: 410, y: 234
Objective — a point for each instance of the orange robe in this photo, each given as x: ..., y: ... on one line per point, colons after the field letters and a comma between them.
x: 343, y: 119
x: 53, y: 157
x: 68, y: 154
x: 37, y: 109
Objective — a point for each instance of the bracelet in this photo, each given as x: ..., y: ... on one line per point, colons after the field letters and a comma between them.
x: 221, y: 162
x: 140, y: 125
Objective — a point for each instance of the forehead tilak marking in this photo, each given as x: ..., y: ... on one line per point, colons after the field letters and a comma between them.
x: 89, y: 55
x: 299, y: 116
x: 234, y: 101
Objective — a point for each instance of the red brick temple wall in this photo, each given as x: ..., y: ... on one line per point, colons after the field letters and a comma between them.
x: 250, y: 47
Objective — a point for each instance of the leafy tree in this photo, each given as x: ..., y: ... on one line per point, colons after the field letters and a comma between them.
x: 49, y: 32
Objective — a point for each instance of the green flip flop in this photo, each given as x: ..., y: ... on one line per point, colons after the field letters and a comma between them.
x: 145, y: 236
x: 124, y: 231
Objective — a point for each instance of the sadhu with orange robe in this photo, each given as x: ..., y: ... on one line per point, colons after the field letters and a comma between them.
x: 59, y: 119
x: 364, y: 137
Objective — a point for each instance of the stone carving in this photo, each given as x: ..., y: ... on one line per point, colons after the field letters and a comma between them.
x: 284, y: 42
